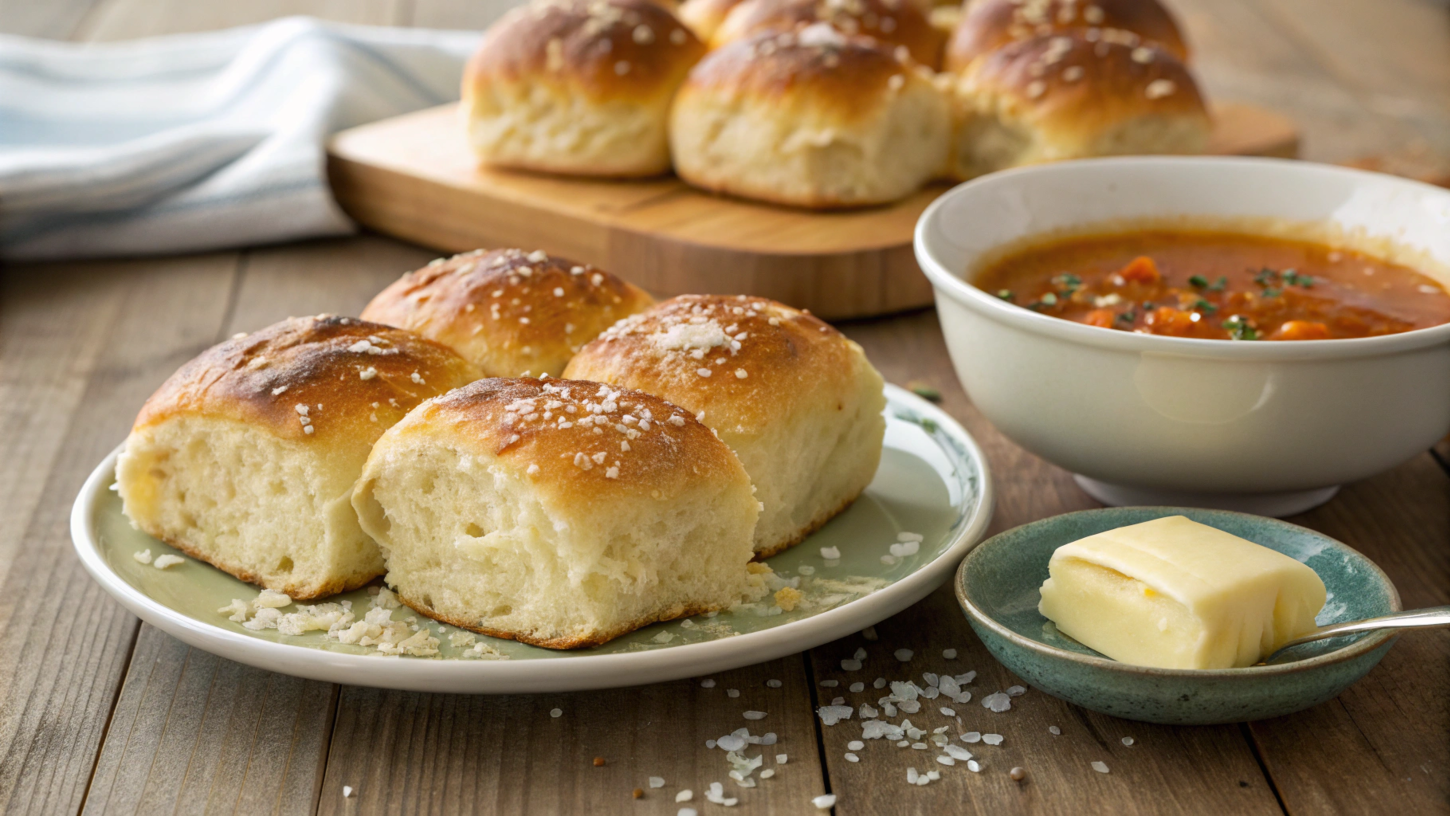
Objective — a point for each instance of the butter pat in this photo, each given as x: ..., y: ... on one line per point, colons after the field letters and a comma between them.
x: 1175, y: 594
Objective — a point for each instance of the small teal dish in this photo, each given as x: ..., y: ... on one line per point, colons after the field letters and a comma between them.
x: 997, y: 585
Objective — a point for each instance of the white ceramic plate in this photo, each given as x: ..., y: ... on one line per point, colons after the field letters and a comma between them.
x: 932, y: 481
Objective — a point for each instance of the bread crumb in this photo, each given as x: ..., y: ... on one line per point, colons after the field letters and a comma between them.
x: 144, y: 556
x: 787, y: 597
x: 167, y: 561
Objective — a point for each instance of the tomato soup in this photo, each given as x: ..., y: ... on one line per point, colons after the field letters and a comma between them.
x: 1218, y: 286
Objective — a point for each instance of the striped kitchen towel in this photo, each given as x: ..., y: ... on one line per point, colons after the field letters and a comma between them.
x: 196, y: 142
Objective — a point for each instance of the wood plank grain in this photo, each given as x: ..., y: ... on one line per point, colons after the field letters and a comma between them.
x: 1242, y: 51
x: 195, y: 733
x: 431, y: 753
x: 1380, y: 746
x: 1189, y: 770
x: 70, y: 642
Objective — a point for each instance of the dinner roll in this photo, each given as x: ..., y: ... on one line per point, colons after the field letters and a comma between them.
x: 1068, y: 97
x: 991, y: 24
x: 246, y: 457
x: 581, y: 87
x: 508, y: 312
x: 557, y: 513
x: 705, y: 16
x: 889, y: 22
x: 798, y: 402
x: 814, y: 119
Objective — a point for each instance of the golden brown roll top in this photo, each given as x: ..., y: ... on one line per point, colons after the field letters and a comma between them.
x: 579, y: 442
x: 798, y: 402
x: 991, y: 24
x: 323, y: 380
x: 890, y: 22
x: 812, y: 118
x: 578, y: 86
x: 1067, y: 96
x: 508, y: 311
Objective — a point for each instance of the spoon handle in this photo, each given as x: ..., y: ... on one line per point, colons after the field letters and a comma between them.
x: 1429, y: 617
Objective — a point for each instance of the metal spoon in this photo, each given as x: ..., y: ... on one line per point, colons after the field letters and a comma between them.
x: 1428, y: 618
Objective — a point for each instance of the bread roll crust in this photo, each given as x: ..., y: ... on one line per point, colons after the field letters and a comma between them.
x: 577, y: 465
x: 334, y: 367
x: 891, y: 23
x: 763, y: 375
x: 990, y: 24
x: 578, y: 86
x: 813, y: 118
x: 509, y: 312
x: 1067, y: 96
x: 589, y: 457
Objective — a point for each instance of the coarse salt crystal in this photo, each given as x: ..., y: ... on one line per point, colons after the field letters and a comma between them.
x: 556, y: 713
x: 997, y: 702
x: 707, y: 683
x: 946, y: 760
x: 346, y: 791
x: 656, y: 782
x: 1128, y: 740
x: 904, y: 655
x: 1100, y: 767
x: 850, y: 757
x: 780, y: 759
x: 830, y: 553
x: 949, y: 654
x: 773, y: 684
x: 754, y: 715
x: 850, y: 665
x: 992, y: 739
x: 948, y: 712
x: 825, y: 802
x: 685, y: 795
x: 974, y: 766
x: 857, y: 687
x: 1054, y: 730
x: 732, y: 692
x: 972, y: 737
x: 1016, y: 691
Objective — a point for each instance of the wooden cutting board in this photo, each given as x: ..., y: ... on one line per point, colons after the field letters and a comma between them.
x: 413, y: 177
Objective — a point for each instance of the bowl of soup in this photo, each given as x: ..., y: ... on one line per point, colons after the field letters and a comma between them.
x: 1247, y: 334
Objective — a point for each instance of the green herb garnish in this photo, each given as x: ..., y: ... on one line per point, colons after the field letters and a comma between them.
x: 1239, y: 328
x: 1218, y: 285
x: 1127, y: 317
x: 924, y: 391
x: 1067, y: 279
x: 1265, y: 277
x: 1198, y: 281
x: 1205, y: 307
x: 1005, y: 294
x: 1293, y: 278
x: 1049, y: 299
x: 1268, y: 293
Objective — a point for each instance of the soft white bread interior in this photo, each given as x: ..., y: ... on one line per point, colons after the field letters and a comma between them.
x: 246, y: 457
x: 581, y: 87
x: 557, y: 513
x: 812, y: 118
x: 704, y: 16
x: 1071, y: 96
x: 794, y: 398
x: 986, y: 25
x: 509, y: 312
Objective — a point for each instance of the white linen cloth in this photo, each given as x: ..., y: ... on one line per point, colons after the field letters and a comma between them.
x: 195, y: 142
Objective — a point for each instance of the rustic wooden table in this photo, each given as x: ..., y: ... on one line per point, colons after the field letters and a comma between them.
x: 101, y: 713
